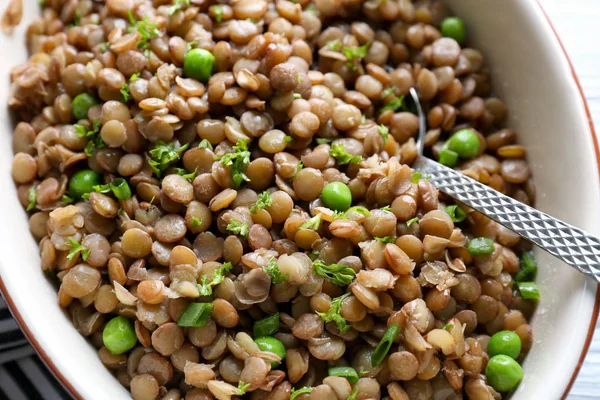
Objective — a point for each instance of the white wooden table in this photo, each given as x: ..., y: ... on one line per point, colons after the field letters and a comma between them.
x: 578, y: 24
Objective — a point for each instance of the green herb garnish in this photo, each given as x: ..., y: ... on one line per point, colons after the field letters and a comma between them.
x: 32, y: 198
x: 345, y: 372
x: 386, y: 239
x: 338, y: 274
x: 416, y: 177
x: 177, y: 6
x: 205, y: 144
x: 238, y: 161
x: 393, y: 105
x: 384, y: 132
x: 411, y: 221
x: 480, y: 246
x: 163, y: 154
x: 196, y: 222
x: 353, y: 394
x: 295, y: 393
x: 66, y: 199
x: 218, y: 10
x: 76, y: 247
x: 264, y: 200
x: 354, y: 54
x: 93, y: 135
x: 272, y: 269
x: 529, y: 290
x: 388, y: 91
x: 196, y: 315
x: 324, y: 140
x: 448, y: 327
x: 189, y: 176
x: 207, y: 282
x: 313, y: 223
x: 146, y: 29
x: 385, y: 344
x: 342, y: 157
x: 529, y: 268
x: 334, y: 314
x: 456, y: 213
x: 386, y: 208
x: 334, y: 45
x: 266, y: 326
x: 239, y: 228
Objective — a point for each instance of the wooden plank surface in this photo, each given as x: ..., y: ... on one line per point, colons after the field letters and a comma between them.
x: 578, y: 25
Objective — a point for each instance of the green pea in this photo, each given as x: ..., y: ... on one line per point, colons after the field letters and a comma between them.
x: 503, y: 373
x: 504, y: 342
x: 119, y: 335
x: 454, y: 27
x: 83, y: 182
x: 198, y: 64
x: 81, y: 104
x: 447, y: 157
x: 465, y: 143
x: 269, y: 343
x: 337, y: 196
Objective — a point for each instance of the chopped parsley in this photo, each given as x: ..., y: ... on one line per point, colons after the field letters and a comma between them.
x: 218, y: 11
x: 384, y: 132
x: 324, y: 140
x: 393, y: 105
x: 386, y: 239
x: 189, y: 176
x: 104, y: 46
x: 238, y: 161
x: 338, y: 152
x: 207, y: 282
x: 241, y: 389
x: 272, y: 269
x: 288, y: 139
x: 297, y: 96
x: 93, y: 135
x: 146, y: 29
x: 388, y: 91
x: 196, y: 222
x: 448, y: 327
x: 411, y: 221
x: 76, y: 247
x: 354, y: 54
x: 314, y: 223
x: 386, y: 208
x: 338, y: 274
x: 32, y: 198
x: 66, y: 199
x: 264, y: 200
x: 239, y: 228
x: 125, y: 87
x: 334, y: 45
x: 177, y: 6
x: 334, y: 314
x: 205, y: 144
x: 163, y: 154
x: 416, y: 177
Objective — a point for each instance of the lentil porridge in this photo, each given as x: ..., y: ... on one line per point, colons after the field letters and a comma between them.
x: 222, y: 194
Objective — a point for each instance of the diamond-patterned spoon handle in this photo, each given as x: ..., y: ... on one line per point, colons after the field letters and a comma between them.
x: 572, y: 245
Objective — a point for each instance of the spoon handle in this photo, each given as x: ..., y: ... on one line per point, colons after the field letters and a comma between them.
x: 572, y: 245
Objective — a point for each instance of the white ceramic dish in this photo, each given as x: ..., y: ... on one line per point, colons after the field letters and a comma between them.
x: 530, y: 72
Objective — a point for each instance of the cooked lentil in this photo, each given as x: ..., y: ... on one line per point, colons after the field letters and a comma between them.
x: 228, y: 121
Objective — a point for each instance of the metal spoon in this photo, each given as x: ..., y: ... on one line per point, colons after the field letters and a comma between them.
x: 575, y: 247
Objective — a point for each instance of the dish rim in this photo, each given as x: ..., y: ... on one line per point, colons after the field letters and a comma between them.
x: 594, y: 318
